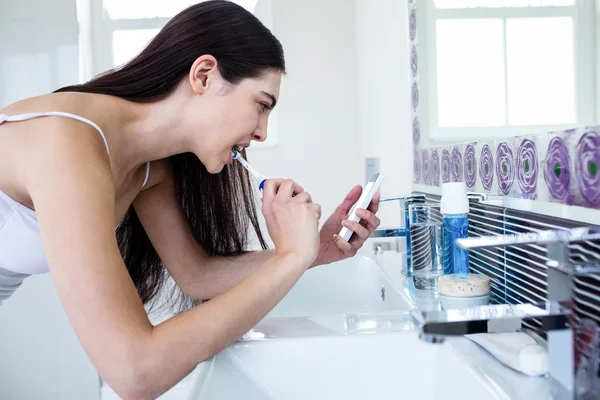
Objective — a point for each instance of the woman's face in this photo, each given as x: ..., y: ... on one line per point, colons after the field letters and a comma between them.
x: 229, y: 115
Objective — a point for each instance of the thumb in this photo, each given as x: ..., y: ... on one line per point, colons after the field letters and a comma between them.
x: 351, y: 198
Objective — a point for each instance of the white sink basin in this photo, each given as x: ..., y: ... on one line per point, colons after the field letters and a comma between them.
x: 382, y: 366
x: 350, y: 286
x: 334, y: 337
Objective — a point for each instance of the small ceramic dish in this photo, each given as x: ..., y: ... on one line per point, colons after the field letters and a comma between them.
x: 453, y: 302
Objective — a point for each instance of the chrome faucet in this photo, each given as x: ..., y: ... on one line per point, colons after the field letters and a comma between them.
x: 573, y: 334
x: 494, y: 318
x: 403, y: 231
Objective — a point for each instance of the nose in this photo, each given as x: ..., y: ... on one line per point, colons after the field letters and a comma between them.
x: 260, y: 133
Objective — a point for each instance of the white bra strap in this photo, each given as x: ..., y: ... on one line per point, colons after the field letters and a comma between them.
x: 147, y: 174
x: 23, y: 117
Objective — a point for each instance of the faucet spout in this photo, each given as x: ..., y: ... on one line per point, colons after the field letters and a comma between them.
x: 496, y: 318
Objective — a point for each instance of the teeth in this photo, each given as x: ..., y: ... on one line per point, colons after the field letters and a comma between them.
x: 238, y: 148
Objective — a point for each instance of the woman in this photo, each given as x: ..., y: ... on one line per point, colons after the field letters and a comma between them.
x: 147, y: 148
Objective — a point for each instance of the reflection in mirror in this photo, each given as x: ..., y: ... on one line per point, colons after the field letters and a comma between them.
x: 504, y: 98
x: 506, y: 67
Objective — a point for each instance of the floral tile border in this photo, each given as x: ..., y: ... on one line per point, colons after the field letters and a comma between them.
x: 560, y: 167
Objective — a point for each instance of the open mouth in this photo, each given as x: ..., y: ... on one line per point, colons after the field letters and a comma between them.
x: 237, y: 148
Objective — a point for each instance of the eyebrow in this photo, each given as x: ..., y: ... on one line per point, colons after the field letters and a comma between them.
x: 269, y: 95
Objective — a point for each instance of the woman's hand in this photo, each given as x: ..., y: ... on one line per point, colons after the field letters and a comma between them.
x: 292, y: 222
x: 333, y: 247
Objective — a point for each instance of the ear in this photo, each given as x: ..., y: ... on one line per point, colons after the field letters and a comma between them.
x: 203, y: 72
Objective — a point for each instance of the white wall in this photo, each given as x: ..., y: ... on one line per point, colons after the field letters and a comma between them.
x: 384, y: 95
x: 346, y: 97
x: 317, y: 117
x: 40, y: 356
x: 39, y: 47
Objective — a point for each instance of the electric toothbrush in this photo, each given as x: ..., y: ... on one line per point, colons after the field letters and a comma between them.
x: 261, y: 179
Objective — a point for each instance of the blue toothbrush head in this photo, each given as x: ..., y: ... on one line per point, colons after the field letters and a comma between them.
x: 261, y: 185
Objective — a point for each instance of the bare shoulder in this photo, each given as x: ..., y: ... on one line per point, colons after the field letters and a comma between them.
x: 60, y: 149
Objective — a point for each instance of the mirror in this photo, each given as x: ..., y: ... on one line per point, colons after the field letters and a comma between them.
x: 499, y: 68
x: 504, y: 98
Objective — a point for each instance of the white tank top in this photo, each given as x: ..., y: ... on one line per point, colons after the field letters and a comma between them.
x: 21, y: 251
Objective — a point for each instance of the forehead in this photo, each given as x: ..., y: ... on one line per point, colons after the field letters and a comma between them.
x: 269, y: 82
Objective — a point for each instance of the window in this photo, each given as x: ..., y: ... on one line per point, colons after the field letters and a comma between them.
x: 507, y: 67
x: 111, y: 32
x: 119, y: 29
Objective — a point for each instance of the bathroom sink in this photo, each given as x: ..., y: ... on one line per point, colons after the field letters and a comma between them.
x: 382, y: 366
x: 352, y: 286
x: 334, y: 336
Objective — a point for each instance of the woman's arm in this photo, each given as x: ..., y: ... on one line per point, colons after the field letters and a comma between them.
x: 74, y: 200
x: 204, y: 277
x: 197, y: 274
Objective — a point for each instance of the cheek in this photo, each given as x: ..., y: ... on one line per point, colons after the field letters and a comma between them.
x: 246, y: 120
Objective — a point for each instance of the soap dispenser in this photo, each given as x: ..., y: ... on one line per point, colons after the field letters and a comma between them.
x: 455, y: 225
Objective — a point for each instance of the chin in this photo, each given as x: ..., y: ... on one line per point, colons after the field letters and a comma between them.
x: 215, y: 168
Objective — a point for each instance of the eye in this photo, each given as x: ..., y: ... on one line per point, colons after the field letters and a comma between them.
x: 264, y: 107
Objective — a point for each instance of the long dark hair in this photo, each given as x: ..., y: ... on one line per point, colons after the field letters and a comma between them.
x: 221, y: 207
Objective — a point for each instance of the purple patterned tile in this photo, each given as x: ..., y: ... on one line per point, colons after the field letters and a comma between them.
x: 426, y: 169
x: 417, y: 168
x: 413, y: 24
x: 587, y: 175
x: 457, y: 165
x: 435, y: 168
x: 486, y: 167
x: 557, y: 170
x: 527, y: 169
x: 414, y: 61
x: 505, y: 168
x: 416, y: 130
x: 445, y: 166
x: 415, y: 96
x: 470, y: 166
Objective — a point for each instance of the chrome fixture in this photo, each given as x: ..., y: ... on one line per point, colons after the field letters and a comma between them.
x: 573, y: 334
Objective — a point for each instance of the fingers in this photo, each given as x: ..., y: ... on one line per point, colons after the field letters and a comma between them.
x: 342, y: 244
x: 351, y: 198
x: 303, y: 197
x: 288, y: 188
x: 316, y: 208
x: 357, y: 228
x: 363, y: 229
x: 368, y: 219
x: 271, y: 187
x: 374, y: 206
x: 283, y: 187
x: 297, y: 189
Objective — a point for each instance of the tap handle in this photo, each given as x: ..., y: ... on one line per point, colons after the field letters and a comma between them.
x: 492, y: 318
x: 415, y: 198
x: 542, y: 238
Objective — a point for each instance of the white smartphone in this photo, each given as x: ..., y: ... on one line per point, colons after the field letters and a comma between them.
x: 363, y: 202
